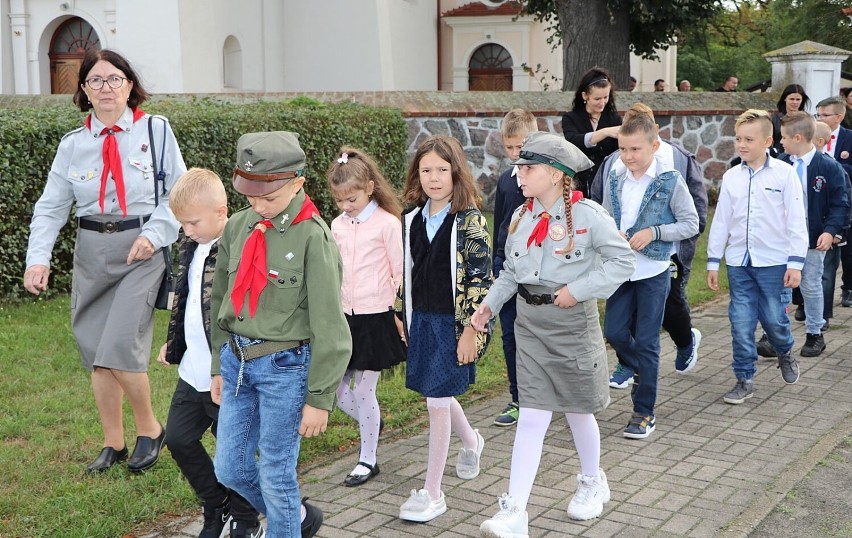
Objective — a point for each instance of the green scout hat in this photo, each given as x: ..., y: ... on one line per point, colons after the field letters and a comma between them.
x: 545, y: 148
x: 267, y: 161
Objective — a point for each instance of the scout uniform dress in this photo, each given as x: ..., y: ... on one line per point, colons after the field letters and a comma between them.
x: 112, y: 303
x: 561, y: 358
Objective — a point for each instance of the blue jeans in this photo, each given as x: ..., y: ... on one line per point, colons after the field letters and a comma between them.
x: 811, y: 288
x: 264, y: 417
x: 638, y: 347
x: 757, y: 293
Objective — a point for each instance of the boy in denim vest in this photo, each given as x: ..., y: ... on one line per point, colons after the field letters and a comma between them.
x: 653, y: 208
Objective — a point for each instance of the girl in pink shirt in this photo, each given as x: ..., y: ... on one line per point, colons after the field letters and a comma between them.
x: 369, y: 236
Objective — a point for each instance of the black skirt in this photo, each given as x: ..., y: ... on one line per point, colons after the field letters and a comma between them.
x: 376, y: 344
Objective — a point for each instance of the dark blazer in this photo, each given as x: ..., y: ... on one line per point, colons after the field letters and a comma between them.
x: 828, y: 201
x: 575, y: 125
x: 507, y: 199
x: 844, y: 144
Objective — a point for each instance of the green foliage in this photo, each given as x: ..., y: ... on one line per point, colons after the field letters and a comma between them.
x: 207, y: 132
x: 735, y: 39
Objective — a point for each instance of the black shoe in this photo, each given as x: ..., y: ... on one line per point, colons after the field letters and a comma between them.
x: 800, y: 313
x: 246, y: 529
x: 814, y: 345
x: 764, y: 348
x: 826, y: 326
x: 846, y: 298
x: 215, y: 518
x: 352, y: 480
x: 313, y: 519
x: 147, y: 452
x: 106, y: 459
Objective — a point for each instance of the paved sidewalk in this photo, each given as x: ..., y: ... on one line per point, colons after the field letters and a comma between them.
x: 709, y: 469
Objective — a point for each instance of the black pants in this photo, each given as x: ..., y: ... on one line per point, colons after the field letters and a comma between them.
x: 676, y: 318
x: 846, y: 263
x: 190, y: 415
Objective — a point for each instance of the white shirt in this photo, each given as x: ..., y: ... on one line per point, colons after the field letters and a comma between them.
x: 760, y: 218
x: 632, y: 193
x: 194, y: 367
x: 833, y: 138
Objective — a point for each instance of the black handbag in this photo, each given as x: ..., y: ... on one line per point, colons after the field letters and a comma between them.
x: 164, y: 294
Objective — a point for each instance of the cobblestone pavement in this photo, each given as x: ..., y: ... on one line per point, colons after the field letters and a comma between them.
x: 710, y: 469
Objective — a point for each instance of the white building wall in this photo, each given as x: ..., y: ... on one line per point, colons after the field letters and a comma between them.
x: 409, y: 29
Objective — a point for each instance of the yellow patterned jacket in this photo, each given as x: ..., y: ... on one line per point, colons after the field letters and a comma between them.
x: 470, y: 248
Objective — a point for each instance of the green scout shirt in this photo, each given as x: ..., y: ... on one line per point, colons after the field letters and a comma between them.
x: 301, y: 302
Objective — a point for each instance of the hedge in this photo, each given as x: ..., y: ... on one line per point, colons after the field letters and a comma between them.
x: 207, y: 132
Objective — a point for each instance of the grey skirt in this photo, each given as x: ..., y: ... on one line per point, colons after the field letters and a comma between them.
x: 112, y: 303
x: 561, y: 358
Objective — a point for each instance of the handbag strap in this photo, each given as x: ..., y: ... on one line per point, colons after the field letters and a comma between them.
x: 159, y: 175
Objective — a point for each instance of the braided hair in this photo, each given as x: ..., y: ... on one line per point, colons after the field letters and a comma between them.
x: 567, y: 192
x: 514, y: 224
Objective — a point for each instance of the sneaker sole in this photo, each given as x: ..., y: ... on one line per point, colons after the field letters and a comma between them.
x: 419, y: 517
x: 586, y: 516
x: 696, y: 345
x: 732, y: 401
x: 488, y: 533
x: 504, y: 424
x: 624, y: 385
x: 647, y: 433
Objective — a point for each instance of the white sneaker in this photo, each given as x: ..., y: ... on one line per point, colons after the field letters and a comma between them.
x: 509, y: 522
x: 591, y: 495
x: 421, y: 508
x: 467, y: 466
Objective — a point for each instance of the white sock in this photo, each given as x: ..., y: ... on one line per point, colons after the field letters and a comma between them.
x: 526, y: 452
x: 439, y: 443
x: 364, y: 396
x: 461, y: 426
x: 303, y: 512
x: 587, y: 439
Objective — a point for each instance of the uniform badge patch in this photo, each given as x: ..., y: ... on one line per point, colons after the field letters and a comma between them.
x: 819, y: 183
x: 557, y: 232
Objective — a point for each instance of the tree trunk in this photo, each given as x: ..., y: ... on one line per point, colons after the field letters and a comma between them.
x: 592, y: 36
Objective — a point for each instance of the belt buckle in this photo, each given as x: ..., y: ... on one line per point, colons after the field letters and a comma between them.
x: 536, y: 300
x: 110, y: 227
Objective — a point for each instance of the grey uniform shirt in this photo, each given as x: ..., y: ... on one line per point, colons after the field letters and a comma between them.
x: 75, y: 178
x: 600, y: 261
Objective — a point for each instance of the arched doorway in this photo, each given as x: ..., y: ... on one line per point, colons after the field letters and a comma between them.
x: 490, y: 69
x: 67, y: 49
x: 232, y: 64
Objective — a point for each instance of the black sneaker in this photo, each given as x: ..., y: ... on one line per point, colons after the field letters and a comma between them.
x: 789, y: 368
x: 800, y: 313
x: 313, y: 519
x: 846, y: 298
x: 814, y: 346
x: 742, y: 391
x: 215, y: 520
x: 764, y: 348
x: 246, y: 529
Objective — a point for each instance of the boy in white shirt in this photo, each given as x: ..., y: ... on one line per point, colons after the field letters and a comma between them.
x: 760, y: 228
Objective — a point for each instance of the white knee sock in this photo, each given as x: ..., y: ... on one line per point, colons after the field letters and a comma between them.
x: 439, y: 443
x: 587, y: 439
x: 364, y: 393
x: 461, y: 426
x: 526, y: 453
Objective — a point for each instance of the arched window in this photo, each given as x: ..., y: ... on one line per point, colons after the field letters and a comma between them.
x: 490, y: 69
x: 232, y: 64
x: 67, y: 49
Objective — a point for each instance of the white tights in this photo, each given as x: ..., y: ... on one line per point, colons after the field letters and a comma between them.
x: 445, y: 415
x: 360, y: 403
x: 529, y: 441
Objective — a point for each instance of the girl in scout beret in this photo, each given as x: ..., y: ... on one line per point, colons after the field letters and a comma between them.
x: 447, y: 269
x: 563, y: 252
x: 369, y: 237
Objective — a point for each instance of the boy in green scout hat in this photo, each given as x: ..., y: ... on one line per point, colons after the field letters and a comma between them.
x: 276, y: 298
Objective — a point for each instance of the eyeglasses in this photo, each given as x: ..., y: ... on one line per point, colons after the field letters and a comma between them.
x: 821, y: 116
x: 115, y: 82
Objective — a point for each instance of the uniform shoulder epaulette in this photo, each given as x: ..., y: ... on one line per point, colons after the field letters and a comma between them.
x: 69, y: 133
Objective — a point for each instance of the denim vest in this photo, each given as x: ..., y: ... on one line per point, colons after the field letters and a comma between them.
x: 654, y: 210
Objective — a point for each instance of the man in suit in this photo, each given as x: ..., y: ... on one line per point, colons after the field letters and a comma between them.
x: 839, y: 145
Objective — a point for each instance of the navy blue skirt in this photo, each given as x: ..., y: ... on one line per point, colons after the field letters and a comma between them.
x: 432, y: 368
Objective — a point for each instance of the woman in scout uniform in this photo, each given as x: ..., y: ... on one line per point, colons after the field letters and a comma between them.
x: 562, y: 253
x: 105, y: 168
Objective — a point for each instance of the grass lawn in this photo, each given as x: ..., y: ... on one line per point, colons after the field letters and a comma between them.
x: 49, y: 429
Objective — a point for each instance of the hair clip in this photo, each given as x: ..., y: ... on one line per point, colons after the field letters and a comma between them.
x: 344, y: 158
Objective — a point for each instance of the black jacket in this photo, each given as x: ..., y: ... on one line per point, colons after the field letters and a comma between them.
x: 575, y: 125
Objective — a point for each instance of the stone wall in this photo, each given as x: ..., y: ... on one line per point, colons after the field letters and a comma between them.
x: 701, y: 122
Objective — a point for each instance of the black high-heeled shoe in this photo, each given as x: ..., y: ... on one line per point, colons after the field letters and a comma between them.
x: 106, y: 459
x: 147, y: 452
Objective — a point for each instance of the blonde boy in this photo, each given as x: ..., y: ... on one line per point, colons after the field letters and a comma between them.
x: 517, y: 124
x: 760, y: 228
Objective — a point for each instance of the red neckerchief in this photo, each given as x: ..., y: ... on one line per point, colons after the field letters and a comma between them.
x: 112, y: 162
x: 539, y: 231
x: 252, y: 274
